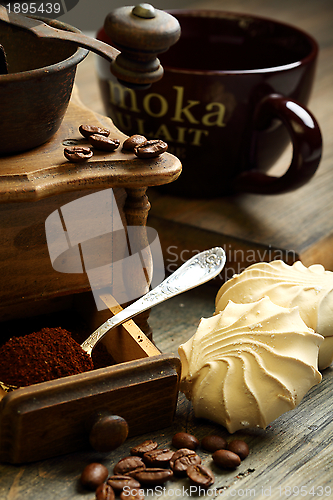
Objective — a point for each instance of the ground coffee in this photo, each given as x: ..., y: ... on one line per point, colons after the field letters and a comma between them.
x: 48, y: 354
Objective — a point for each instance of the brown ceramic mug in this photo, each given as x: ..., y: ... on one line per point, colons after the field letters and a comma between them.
x: 232, y: 96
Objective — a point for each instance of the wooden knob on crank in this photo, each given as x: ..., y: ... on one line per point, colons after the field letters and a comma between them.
x: 108, y: 432
x: 140, y: 33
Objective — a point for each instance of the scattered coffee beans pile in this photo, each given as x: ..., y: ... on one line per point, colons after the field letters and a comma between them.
x: 100, y: 140
x: 150, y: 466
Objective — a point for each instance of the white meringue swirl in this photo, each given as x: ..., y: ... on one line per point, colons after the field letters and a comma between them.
x: 249, y: 363
x: 309, y: 288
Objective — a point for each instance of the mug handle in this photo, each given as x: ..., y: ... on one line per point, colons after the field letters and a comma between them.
x: 307, y: 147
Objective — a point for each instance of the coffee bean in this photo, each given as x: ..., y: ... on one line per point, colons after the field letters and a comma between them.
x: 200, y: 475
x: 182, y: 453
x: 239, y: 447
x: 128, y: 464
x: 103, y: 143
x: 88, y: 130
x: 226, y: 459
x: 134, y: 141
x: 151, y: 149
x: 182, y: 459
x: 212, y: 443
x: 78, y: 154
x: 132, y: 473
x: 153, y: 476
x: 108, y: 433
x: 105, y: 492
x: 158, y: 457
x: 93, y: 475
x: 134, y: 494
x: 185, y: 440
x: 146, y: 446
x: 118, y: 483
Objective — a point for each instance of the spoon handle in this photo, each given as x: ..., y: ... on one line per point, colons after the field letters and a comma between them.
x: 196, y: 271
x: 43, y: 30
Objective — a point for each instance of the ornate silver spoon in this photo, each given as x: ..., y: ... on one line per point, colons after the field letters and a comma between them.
x: 196, y: 271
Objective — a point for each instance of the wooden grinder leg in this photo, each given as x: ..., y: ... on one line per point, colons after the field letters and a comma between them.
x: 136, y: 210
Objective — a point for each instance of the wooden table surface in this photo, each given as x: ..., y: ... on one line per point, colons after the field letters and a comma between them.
x: 293, y: 456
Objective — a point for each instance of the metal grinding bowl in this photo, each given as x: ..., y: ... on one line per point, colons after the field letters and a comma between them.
x: 35, y: 93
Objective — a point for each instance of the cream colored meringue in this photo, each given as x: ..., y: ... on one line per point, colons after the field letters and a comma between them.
x: 309, y: 288
x: 249, y: 363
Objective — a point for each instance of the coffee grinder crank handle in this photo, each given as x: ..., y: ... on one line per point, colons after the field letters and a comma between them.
x: 140, y: 33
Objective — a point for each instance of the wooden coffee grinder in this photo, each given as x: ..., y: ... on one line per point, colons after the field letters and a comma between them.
x: 36, y: 180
